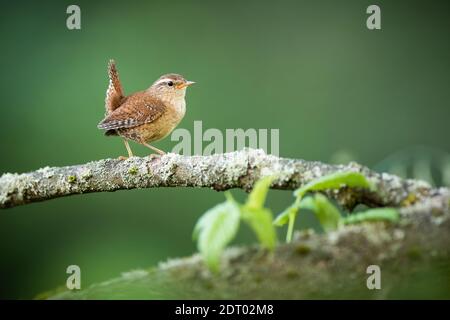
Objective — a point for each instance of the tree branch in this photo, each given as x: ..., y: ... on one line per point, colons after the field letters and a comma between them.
x: 240, y: 169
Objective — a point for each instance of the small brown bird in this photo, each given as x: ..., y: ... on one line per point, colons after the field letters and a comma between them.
x: 144, y: 116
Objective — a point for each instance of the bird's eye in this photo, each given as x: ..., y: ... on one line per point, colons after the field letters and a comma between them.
x: 170, y: 83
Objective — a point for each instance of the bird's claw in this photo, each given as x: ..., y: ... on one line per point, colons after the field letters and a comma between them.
x: 154, y: 155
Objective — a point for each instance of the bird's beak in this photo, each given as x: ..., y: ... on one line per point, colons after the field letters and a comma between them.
x: 184, y: 85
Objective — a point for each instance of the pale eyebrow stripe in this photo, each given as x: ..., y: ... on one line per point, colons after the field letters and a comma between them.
x: 163, y: 80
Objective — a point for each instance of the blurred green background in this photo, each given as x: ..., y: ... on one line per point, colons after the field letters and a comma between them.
x: 309, y: 68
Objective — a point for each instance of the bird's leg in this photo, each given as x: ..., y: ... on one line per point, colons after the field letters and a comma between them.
x: 127, y: 145
x: 130, y: 153
x: 153, y: 148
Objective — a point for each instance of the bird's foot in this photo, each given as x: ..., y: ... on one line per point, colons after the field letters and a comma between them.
x: 154, y: 155
x: 121, y: 158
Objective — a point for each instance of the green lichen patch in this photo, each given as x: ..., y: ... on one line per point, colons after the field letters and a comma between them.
x: 292, y: 273
x: 414, y: 253
x: 302, y: 249
x: 409, y: 200
x: 133, y: 171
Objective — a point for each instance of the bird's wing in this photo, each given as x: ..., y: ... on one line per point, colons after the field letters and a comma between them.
x: 136, y: 109
x: 114, y: 93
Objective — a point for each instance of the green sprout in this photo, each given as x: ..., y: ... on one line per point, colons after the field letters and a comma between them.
x: 218, y: 226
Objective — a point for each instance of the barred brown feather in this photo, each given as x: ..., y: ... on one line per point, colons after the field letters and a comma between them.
x: 114, y: 93
x: 137, y: 109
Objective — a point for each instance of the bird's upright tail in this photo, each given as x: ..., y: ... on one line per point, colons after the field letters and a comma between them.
x: 114, y: 93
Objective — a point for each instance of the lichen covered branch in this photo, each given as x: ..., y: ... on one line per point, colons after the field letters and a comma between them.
x: 240, y: 169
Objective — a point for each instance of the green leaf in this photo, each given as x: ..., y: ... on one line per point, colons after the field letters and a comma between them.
x: 257, y: 196
x: 308, y: 203
x: 260, y: 220
x: 327, y: 214
x: 283, y: 217
x: 325, y: 210
x: 288, y: 216
x: 215, y: 229
x: 336, y: 181
x: 387, y: 214
x: 290, y: 231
